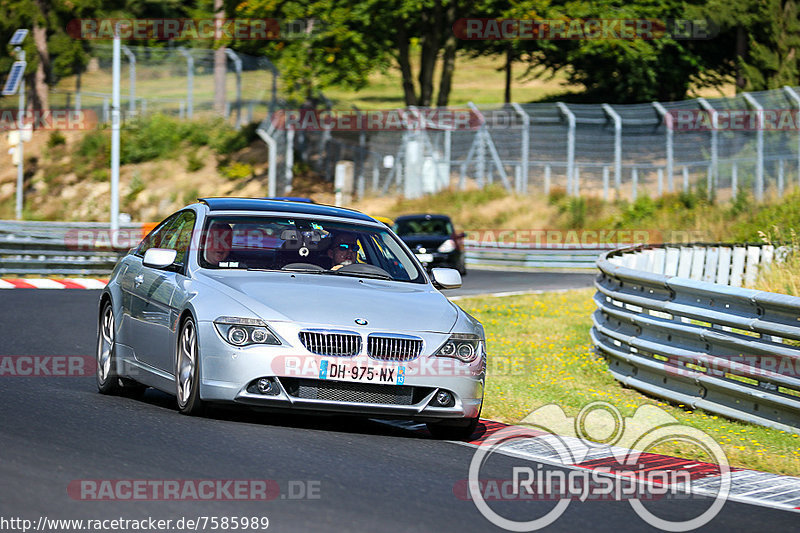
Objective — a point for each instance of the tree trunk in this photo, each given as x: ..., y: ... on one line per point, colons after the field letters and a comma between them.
x: 42, y: 76
x: 432, y: 29
x: 741, y: 51
x: 509, y: 60
x: 404, y: 62
x: 220, y: 64
x: 448, y: 62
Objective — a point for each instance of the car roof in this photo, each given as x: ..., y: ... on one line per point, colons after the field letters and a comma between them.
x: 424, y: 216
x: 282, y: 206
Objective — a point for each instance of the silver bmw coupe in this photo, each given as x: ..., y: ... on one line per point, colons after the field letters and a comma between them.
x: 287, y: 305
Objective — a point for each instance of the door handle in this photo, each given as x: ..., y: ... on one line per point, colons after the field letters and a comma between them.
x: 138, y: 280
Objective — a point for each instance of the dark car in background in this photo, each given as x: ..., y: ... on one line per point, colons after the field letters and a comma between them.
x: 433, y: 240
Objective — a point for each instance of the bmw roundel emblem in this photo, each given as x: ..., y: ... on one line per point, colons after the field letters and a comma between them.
x: 361, y: 322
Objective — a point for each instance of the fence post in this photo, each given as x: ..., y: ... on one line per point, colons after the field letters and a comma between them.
x: 237, y: 64
x: 132, y: 79
x: 576, y: 181
x: 792, y: 94
x: 667, y: 118
x: 759, y: 146
x: 660, y: 174
x: 617, y: 144
x: 714, y: 139
x: 570, y: 142
x: 605, y: 183
x: 522, y: 186
x: 685, y: 178
x: 272, y: 147
x: 448, y: 144
x: 635, y: 183
x: 189, y: 81
x: 105, y: 109
x: 289, y: 160
x: 780, y: 178
x: 734, y: 178
x: 547, y: 180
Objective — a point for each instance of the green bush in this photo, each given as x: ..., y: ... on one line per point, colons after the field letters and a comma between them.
x: 237, y: 171
x: 155, y: 137
x: 194, y: 163
x: 56, y: 139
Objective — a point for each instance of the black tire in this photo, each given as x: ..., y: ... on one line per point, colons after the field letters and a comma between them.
x: 452, y: 430
x: 106, y: 372
x: 108, y: 381
x: 187, y: 370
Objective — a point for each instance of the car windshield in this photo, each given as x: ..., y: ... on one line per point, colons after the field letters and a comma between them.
x: 423, y: 226
x: 305, y: 245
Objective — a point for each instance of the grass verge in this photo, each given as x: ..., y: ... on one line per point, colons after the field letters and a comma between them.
x: 540, y: 353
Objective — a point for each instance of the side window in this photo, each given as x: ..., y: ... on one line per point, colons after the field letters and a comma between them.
x: 179, y: 235
x: 155, y: 237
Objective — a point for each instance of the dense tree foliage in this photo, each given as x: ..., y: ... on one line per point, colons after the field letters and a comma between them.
x: 343, y: 41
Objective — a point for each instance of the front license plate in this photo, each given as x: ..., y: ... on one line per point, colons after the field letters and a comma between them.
x: 382, y: 375
x: 425, y: 258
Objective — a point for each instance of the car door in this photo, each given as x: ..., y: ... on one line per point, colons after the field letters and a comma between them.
x: 155, y: 288
x: 134, y: 301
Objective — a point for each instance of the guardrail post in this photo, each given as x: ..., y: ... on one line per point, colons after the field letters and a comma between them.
x: 667, y: 119
x: 713, y: 167
x: 524, y: 148
x: 617, y: 143
x: 759, y: 145
x: 792, y: 94
x: 570, y: 143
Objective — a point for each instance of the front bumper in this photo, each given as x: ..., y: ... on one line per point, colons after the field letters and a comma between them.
x: 228, y: 372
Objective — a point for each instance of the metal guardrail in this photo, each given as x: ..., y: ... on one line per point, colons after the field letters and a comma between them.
x: 672, y: 322
x: 544, y: 256
x: 61, y: 248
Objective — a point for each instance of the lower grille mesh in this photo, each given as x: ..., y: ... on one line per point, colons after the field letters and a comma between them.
x: 343, y: 391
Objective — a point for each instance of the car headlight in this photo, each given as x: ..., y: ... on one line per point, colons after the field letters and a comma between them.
x: 447, y: 246
x: 466, y: 347
x: 245, y: 331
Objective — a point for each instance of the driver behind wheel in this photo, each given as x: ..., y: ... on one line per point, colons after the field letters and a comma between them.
x: 344, y: 250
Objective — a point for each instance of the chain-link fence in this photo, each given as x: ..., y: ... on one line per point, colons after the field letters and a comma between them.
x: 723, y: 145
x: 171, y: 80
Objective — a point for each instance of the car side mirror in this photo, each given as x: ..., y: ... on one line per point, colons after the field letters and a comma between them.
x: 159, y: 257
x: 446, y: 278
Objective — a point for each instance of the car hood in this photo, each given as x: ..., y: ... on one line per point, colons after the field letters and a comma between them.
x: 333, y: 300
x: 431, y: 242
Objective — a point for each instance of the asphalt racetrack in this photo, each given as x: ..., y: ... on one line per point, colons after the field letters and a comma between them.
x: 333, y: 473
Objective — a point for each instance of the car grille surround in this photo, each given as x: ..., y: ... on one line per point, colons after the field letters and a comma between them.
x: 392, y: 347
x: 332, y: 343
